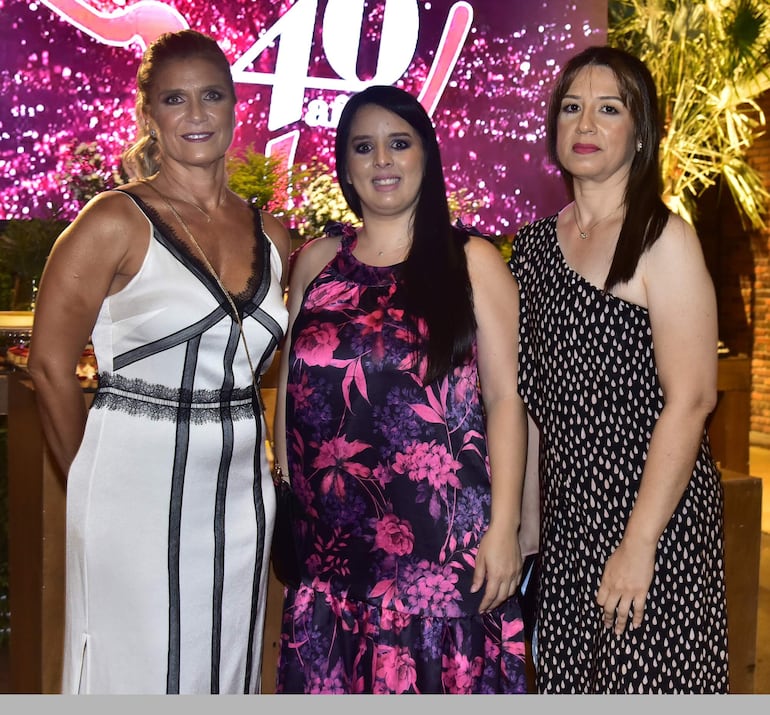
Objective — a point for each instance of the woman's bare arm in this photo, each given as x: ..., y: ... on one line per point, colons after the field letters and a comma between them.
x: 94, y: 256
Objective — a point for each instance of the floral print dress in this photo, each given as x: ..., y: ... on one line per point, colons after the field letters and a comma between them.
x: 394, y: 478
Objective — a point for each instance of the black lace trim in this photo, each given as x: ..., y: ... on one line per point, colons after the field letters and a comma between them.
x: 162, y: 403
x: 257, y: 265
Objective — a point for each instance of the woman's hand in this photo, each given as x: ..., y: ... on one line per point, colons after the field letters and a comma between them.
x: 624, y: 586
x: 499, y: 563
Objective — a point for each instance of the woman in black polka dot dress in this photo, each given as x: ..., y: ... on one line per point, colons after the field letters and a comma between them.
x: 618, y: 368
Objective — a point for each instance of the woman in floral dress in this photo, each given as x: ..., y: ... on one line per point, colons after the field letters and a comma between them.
x: 404, y: 436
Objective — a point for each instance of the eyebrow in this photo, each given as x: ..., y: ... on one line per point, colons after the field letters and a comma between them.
x: 604, y: 96
x: 181, y: 90
x: 359, y: 137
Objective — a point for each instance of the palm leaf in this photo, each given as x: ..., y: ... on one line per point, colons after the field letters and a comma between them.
x: 710, y: 62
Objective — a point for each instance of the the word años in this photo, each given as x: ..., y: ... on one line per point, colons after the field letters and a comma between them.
x: 320, y: 113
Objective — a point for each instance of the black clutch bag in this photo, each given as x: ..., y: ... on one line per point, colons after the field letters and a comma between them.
x: 528, y: 593
x: 283, y: 551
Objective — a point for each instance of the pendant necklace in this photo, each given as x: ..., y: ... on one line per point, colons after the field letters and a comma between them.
x: 391, y: 249
x: 203, y: 211
x: 584, y: 234
x: 209, y: 267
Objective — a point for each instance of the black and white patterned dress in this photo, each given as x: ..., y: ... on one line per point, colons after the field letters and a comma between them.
x: 170, y: 503
x: 588, y: 376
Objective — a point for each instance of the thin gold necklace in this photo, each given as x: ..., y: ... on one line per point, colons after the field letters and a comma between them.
x: 277, y: 473
x: 211, y: 270
x: 179, y: 198
x: 584, y: 234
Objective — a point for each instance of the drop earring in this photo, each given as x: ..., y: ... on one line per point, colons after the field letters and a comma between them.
x: 639, y: 146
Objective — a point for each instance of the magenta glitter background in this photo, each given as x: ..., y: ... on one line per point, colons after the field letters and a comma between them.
x: 59, y: 87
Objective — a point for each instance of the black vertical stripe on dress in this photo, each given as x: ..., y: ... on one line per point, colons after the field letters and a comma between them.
x: 259, y: 511
x: 252, y: 308
x: 175, y: 514
x: 226, y: 421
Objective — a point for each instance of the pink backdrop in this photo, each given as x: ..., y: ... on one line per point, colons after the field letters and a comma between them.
x: 482, y: 68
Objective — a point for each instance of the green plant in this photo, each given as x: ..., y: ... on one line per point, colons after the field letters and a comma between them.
x: 504, y: 244
x: 710, y: 61
x: 315, y: 198
x: 257, y: 178
x: 86, y: 173
x: 24, y: 248
x: 463, y: 205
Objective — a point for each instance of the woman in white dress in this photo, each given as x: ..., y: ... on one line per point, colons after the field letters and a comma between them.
x: 170, y: 503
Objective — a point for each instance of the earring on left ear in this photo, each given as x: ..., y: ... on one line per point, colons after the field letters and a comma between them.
x: 639, y: 145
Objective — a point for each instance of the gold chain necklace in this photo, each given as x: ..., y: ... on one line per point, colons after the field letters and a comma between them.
x: 203, y: 211
x: 179, y: 198
x: 277, y: 473
x: 211, y: 270
x: 584, y: 234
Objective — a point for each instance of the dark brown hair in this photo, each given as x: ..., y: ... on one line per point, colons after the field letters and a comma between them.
x: 646, y: 214
x: 435, y: 273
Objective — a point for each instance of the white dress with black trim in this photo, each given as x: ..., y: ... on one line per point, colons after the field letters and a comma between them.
x: 170, y: 504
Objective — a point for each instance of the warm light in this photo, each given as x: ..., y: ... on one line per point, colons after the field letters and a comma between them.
x: 16, y: 319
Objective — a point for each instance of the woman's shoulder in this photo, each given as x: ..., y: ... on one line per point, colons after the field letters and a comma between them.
x: 111, y: 199
x: 109, y: 234
x: 677, y: 246
x: 486, y: 264
x: 275, y: 230
x: 319, y: 248
x: 310, y: 257
x: 678, y: 229
x: 110, y: 212
x: 481, y: 248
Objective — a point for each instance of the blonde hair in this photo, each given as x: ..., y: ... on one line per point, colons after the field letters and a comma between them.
x: 143, y: 158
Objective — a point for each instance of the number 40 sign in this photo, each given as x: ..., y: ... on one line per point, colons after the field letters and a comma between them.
x: 340, y: 33
x: 341, y: 27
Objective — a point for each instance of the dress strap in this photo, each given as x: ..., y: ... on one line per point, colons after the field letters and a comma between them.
x: 346, y: 231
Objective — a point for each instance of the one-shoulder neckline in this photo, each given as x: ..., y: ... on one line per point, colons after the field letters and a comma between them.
x: 553, y: 219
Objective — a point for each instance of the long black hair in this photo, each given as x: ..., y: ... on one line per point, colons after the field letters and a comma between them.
x: 646, y: 214
x: 435, y: 273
